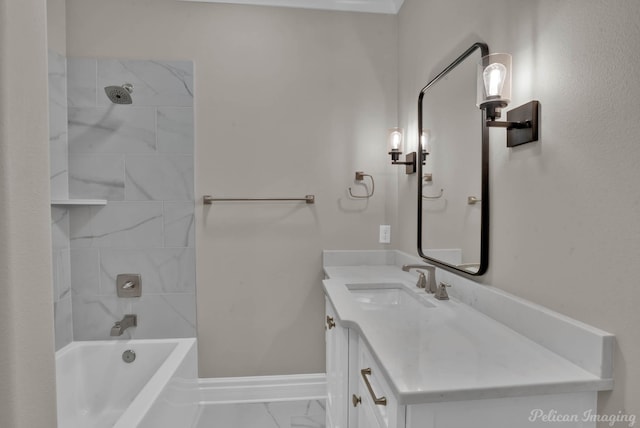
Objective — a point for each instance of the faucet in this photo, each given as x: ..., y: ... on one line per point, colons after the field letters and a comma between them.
x: 442, y: 291
x: 430, y: 286
x: 120, y: 326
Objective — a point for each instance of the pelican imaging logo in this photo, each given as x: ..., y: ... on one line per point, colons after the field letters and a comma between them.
x: 553, y: 416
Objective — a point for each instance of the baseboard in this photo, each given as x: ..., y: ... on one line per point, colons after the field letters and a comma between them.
x: 262, y: 389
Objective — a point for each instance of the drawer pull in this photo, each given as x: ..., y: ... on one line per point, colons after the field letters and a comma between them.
x: 356, y: 400
x: 330, y: 322
x: 382, y: 401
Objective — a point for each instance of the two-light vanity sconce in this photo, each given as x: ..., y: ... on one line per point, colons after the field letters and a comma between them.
x: 494, y: 94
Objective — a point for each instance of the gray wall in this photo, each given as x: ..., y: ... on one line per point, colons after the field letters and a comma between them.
x: 289, y: 102
x: 565, y: 230
x: 139, y: 158
x: 27, y: 372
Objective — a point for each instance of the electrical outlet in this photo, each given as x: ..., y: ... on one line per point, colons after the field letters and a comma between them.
x: 385, y: 234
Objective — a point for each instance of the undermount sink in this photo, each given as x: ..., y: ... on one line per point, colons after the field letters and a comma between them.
x: 387, y: 296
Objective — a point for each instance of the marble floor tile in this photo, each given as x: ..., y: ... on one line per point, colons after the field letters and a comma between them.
x: 312, y: 421
x: 286, y: 414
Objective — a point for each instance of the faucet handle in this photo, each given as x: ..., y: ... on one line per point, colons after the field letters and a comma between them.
x: 422, y: 280
x: 442, y: 294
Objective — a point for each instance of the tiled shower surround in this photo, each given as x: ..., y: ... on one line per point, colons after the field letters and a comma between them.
x: 58, y: 149
x: 139, y: 158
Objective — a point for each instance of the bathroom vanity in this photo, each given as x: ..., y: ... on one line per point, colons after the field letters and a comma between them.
x: 397, y: 357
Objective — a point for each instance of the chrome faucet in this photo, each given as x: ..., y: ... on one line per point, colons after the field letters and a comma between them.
x: 430, y: 286
x: 120, y: 326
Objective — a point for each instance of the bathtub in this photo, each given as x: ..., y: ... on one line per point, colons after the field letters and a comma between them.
x: 97, y: 389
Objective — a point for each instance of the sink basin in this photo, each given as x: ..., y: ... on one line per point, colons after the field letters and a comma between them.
x: 387, y: 296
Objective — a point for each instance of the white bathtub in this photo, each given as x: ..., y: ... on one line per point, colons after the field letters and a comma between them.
x: 97, y: 389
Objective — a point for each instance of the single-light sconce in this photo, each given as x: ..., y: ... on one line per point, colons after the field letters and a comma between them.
x: 424, y: 145
x: 395, y: 146
x: 494, y: 93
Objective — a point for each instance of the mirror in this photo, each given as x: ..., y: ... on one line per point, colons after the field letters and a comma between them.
x: 453, y: 192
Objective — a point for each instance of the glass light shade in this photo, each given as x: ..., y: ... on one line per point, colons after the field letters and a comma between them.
x: 424, y: 141
x: 395, y: 140
x: 494, y: 81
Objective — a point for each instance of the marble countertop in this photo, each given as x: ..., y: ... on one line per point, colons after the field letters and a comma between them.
x: 451, y: 352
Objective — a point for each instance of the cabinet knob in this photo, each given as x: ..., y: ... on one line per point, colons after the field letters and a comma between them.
x: 356, y: 400
x: 330, y: 322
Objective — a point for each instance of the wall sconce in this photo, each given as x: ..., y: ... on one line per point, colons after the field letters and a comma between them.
x: 494, y: 93
x: 424, y: 145
x: 395, y: 145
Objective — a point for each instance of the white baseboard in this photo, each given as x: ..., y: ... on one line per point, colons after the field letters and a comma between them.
x: 262, y: 389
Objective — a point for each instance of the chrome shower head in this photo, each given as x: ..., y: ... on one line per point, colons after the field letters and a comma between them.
x: 120, y: 94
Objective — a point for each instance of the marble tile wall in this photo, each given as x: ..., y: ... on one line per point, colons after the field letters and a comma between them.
x: 58, y: 150
x: 58, y: 133
x: 140, y: 158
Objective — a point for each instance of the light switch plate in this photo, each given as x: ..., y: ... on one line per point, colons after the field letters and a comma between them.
x: 129, y: 285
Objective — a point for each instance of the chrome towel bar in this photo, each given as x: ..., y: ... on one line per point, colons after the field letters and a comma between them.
x: 208, y: 199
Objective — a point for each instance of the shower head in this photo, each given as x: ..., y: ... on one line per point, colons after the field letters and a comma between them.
x: 120, y: 94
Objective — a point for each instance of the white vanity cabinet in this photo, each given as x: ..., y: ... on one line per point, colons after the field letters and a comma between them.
x: 359, y: 396
x: 350, y: 401
x: 366, y: 415
x: 482, y: 359
x: 376, y: 405
x: 337, y: 345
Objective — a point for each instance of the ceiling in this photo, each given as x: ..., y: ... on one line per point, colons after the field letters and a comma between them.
x: 372, y: 6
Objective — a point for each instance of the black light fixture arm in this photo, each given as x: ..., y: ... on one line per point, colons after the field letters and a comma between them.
x: 509, y: 125
x: 522, y: 124
x: 402, y: 163
x: 409, y: 162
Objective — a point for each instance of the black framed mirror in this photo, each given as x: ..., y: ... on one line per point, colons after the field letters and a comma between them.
x: 453, y: 188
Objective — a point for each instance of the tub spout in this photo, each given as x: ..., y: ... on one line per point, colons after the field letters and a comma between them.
x: 120, y: 326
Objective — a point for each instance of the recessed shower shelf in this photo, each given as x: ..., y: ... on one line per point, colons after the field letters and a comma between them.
x: 69, y: 202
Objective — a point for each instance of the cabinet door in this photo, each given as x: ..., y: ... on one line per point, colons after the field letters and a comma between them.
x: 367, y: 417
x: 337, y: 345
x: 372, y: 386
x: 367, y: 414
